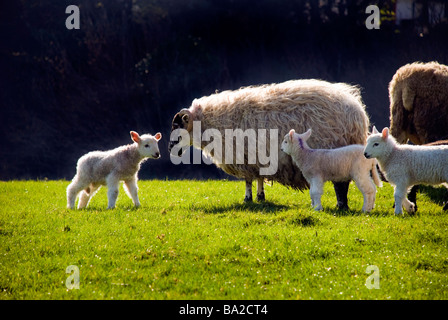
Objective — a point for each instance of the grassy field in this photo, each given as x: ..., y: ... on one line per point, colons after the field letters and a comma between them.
x: 198, y: 240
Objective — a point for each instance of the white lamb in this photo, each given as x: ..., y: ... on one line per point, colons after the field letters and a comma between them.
x: 340, y: 164
x: 407, y: 165
x: 98, y: 168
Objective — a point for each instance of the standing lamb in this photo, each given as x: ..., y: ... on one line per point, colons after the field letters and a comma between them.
x: 406, y: 165
x: 418, y: 95
x: 99, y: 168
x: 340, y: 164
x: 334, y: 110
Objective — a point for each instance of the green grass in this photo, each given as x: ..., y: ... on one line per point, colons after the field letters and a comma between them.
x: 198, y: 240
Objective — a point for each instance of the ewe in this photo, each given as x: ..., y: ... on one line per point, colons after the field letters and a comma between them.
x: 98, y: 168
x: 407, y: 165
x: 341, y: 164
x: 334, y: 110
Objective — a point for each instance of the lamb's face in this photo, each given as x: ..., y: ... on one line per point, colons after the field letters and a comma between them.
x: 375, y: 146
x: 148, y: 146
x: 287, y: 143
x: 376, y: 143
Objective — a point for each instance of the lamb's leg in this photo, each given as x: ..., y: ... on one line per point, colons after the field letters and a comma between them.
x: 401, y: 200
x: 316, y: 191
x: 72, y: 191
x: 131, y: 188
x: 260, y: 190
x: 367, y: 187
x: 112, y: 191
x: 86, y: 195
x: 341, y: 189
x: 248, y: 196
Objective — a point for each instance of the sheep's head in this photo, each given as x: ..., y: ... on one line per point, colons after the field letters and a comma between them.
x: 292, y: 138
x: 377, y: 143
x: 183, y: 123
x: 147, y: 144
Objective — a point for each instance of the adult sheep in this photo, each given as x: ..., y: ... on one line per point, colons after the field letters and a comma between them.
x: 334, y: 111
x: 418, y: 94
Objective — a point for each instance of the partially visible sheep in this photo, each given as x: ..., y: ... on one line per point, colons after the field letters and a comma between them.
x: 334, y: 110
x: 407, y: 165
x: 412, y: 195
x: 418, y: 94
x: 98, y: 168
x: 340, y: 164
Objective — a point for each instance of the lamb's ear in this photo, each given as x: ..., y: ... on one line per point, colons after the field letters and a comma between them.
x: 385, y: 133
x: 374, y: 130
x: 135, y: 137
x: 158, y: 136
x: 291, y: 134
x: 307, y: 134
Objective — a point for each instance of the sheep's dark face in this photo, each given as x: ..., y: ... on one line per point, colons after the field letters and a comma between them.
x: 181, y: 131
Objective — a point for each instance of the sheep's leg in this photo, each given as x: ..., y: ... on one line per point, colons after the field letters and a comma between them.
x: 412, y: 196
x: 84, y: 198
x: 316, y: 191
x: 248, y: 196
x: 401, y: 200
x: 112, y: 191
x: 367, y: 187
x: 131, y: 188
x: 341, y: 189
x: 72, y: 191
x: 260, y: 190
x: 445, y: 204
x: 86, y: 195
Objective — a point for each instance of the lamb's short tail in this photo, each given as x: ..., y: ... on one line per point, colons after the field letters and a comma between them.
x: 375, y: 174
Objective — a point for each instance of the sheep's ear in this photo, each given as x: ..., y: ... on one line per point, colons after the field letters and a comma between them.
x: 291, y: 133
x: 135, y: 137
x: 307, y: 134
x: 158, y: 136
x: 385, y: 133
x: 374, y: 130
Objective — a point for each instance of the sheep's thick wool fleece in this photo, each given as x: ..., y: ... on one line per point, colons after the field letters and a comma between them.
x: 334, y: 111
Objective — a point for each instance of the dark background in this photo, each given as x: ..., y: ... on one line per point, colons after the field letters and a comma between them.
x: 134, y: 63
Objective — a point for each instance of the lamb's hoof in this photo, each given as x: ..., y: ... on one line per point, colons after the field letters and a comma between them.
x: 445, y: 207
x: 247, y: 199
x: 261, y: 197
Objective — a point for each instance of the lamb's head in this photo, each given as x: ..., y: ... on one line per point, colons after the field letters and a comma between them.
x: 147, y: 144
x: 182, y: 128
x: 293, y: 139
x: 378, y: 144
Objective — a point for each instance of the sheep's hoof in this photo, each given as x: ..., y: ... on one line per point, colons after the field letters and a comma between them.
x: 343, y: 206
x: 247, y: 199
x: 445, y: 207
x: 261, y: 197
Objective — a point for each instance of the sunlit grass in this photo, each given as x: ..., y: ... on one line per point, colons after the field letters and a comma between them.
x: 199, y: 240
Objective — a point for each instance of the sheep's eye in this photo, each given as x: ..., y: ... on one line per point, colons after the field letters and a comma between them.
x: 375, y: 144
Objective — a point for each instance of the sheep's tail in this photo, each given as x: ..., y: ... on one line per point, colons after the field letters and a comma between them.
x: 375, y: 174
